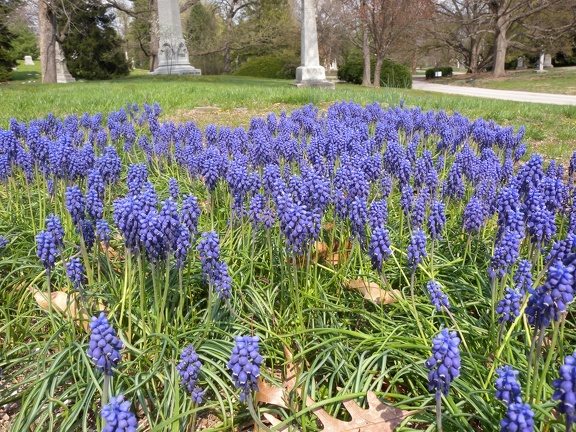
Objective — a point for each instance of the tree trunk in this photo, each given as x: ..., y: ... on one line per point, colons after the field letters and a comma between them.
x: 377, y: 69
x: 47, y: 29
x: 366, y: 81
x: 154, y: 35
x: 501, y: 46
x: 474, y: 55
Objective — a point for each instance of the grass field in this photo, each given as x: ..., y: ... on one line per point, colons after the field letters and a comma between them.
x: 233, y: 101
x: 372, y: 266
x: 557, y: 80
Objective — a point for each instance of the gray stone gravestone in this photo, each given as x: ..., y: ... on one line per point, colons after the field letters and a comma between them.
x: 548, y: 61
x: 28, y: 61
x: 540, y: 63
x: 62, y: 74
x: 310, y: 73
x: 172, y: 55
x: 520, y: 63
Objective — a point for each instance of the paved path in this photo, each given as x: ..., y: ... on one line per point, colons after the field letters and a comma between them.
x: 519, y: 96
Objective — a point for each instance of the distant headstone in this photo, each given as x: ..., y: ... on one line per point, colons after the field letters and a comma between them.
x: 310, y: 73
x: 540, y: 63
x: 173, y: 56
x: 62, y: 74
x: 548, y: 61
x: 520, y: 63
x: 28, y: 61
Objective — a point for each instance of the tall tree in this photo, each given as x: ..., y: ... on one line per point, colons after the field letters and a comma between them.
x: 7, y: 60
x: 93, y: 47
x: 465, y: 27
x: 508, y: 15
x: 49, y: 35
x: 388, y: 22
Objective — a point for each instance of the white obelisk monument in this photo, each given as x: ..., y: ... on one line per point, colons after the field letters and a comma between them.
x: 172, y: 54
x: 310, y: 73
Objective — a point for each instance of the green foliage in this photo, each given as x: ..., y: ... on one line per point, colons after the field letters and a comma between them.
x: 7, y: 58
x: 202, y: 30
x: 25, y: 43
x: 268, y: 67
x: 431, y: 73
x: 93, y: 49
x: 391, y: 75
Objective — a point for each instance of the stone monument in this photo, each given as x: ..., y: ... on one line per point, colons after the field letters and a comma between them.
x: 310, y: 73
x: 172, y: 54
x: 28, y: 61
x: 62, y: 74
x: 541, y: 63
x: 548, y: 61
x: 520, y: 63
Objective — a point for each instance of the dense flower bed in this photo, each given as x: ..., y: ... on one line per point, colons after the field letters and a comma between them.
x: 210, y: 260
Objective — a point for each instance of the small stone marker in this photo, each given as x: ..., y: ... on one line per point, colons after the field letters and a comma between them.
x: 520, y: 63
x: 28, y: 61
x: 541, y: 63
x: 548, y: 61
x: 310, y: 73
x: 172, y: 56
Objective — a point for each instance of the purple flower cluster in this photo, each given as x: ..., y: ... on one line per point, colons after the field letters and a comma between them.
x: 188, y: 369
x: 245, y: 364
x: 379, y: 248
x: 75, y: 271
x: 437, y: 297
x: 509, y: 307
x: 549, y: 301
x: 416, y: 248
x: 507, y: 387
x: 565, y: 389
x: 118, y: 416
x: 213, y: 269
x: 104, y: 347
x: 444, y: 365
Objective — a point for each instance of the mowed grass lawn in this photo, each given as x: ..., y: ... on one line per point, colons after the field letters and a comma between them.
x: 233, y: 101
x: 557, y: 80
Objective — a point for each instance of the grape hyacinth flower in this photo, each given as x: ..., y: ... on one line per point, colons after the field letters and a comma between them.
x: 444, y: 366
x: 549, y: 301
x: 46, y: 250
x: 507, y: 387
x: 54, y: 226
x: 437, y: 296
x: 245, y: 364
x: 565, y: 390
x: 523, y: 276
x: 190, y: 213
x: 188, y: 369
x: 173, y: 189
x: 519, y: 418
x: 3, y: 242
x: 416, y: 248
x: 104, y: 348
x: 509, y: 307
x: 436, y: 220
x: 118, y: 416
x: 182, y: 247
x: 75, y: 204
x: 103, y: 231
x: 379, y: 248
x: 75, y: 271
x: 209, y: 250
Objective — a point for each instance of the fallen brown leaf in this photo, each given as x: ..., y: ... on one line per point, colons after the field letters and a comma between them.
x: 372, y: 291
x: 378, y: 417
x: 63, y: 303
